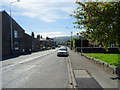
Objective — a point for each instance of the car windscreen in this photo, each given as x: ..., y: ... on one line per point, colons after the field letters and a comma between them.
x: 63, y: 49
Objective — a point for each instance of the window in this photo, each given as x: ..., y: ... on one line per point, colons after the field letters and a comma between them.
x: 15, y: 34
x: 16, y: 45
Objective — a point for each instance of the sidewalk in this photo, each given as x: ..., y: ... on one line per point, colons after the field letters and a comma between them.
x: 89, y: 75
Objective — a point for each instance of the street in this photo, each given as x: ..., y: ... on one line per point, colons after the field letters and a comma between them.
x: 38, y: 70
x: 45, y: 70
x: 60, y: 44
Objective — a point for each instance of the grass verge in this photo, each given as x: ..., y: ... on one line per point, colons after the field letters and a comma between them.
x: 112, y: 59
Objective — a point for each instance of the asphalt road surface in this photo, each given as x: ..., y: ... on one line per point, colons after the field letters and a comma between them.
x: 45, y: 70
x: 38, y: 70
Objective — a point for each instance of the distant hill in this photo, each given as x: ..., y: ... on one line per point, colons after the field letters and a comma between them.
x: 64, y: 39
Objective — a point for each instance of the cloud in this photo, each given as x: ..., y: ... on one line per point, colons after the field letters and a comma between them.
x: 47, y: 11
x: 32, y: 15
x: 52, y: 34
x: 43, y: 0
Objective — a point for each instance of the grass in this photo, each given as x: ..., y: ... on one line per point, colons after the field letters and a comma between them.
x: 113, y: 59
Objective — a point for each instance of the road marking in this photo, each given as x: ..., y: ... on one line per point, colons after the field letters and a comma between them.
x: 30, y: 67
x: 72, y: 77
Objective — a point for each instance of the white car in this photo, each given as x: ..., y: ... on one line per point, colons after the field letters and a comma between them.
x: 63, y: 52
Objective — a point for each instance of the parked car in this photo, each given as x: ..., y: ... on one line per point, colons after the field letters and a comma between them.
x: 63, y: 52
x: 53, y: 47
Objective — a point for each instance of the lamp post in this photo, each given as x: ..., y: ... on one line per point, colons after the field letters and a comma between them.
x: 80, y: 37
x: 71, y: 40
x: 81, y: 45
x: 11, y: 24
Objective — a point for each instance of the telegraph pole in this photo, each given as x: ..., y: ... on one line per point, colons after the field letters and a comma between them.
x: 11, y: 26
x: 71, y: 40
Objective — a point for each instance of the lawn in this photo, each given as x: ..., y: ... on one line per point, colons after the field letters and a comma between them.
x: 113, y: 59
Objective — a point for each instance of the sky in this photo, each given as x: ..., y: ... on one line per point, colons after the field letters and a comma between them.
x: 43, y: 17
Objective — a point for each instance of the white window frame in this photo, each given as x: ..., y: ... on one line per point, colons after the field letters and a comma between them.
x: 15, y: 34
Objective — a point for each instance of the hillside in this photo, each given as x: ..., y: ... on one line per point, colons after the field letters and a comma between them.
x: 64, y: 39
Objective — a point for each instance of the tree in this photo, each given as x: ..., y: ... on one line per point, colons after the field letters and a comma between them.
x: 48, y: 38
x: 84, y: 34
x: 101, y: 21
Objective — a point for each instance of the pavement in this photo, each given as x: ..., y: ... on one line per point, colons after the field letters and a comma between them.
x: 90, y: 75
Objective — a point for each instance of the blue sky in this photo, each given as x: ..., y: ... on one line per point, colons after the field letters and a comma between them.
x: 48, y: 18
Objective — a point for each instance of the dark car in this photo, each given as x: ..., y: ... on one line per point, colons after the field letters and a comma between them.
x: 53, y: 47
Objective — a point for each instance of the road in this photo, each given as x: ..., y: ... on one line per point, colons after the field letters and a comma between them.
x: 45, y: 70
x: 38, y: 70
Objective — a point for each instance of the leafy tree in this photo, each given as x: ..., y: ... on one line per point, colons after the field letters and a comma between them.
x: 101, y: 21
x: 47, y: 38
x: 83, y: 35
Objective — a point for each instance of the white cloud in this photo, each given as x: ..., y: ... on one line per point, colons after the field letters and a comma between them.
x: 49, y: 33
x: 47, y: 11
x: 32, y: 15
x: 47, y: 19
x: 52, y: 34
x: 44, y: 0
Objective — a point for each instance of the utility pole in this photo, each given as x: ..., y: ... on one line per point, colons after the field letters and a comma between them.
x: 11, y: 27
x: 81, y: 45
x: 80, y: 37
x: 71, y: 40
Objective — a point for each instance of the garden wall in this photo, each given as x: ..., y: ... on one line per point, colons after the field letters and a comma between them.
x: 97, y: 50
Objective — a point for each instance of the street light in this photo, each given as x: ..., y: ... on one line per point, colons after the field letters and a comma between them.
x: 71, y: 40
x: 11, y: 24
x: 81, y: 42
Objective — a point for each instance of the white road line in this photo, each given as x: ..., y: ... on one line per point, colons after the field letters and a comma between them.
x: 30, y: 67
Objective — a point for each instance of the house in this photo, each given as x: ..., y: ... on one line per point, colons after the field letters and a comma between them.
x: 47, y: 42
x: 12, y: 41
x: 0, y: 36
x: 15, y: 41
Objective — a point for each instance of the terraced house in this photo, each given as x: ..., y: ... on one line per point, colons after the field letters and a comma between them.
x: 14, y: 41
